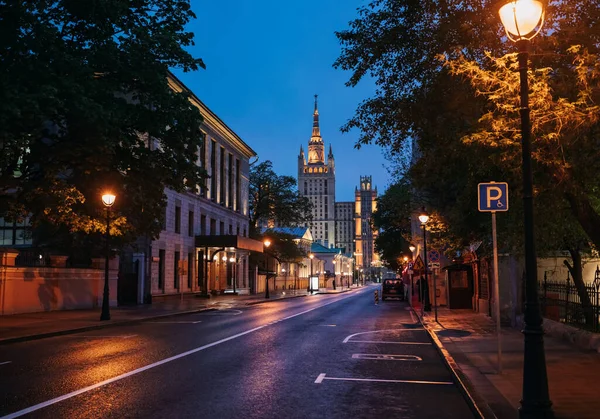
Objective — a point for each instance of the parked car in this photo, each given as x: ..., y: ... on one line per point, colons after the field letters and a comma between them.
x: 393, y: 288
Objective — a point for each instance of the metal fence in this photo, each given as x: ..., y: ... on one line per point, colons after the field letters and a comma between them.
x: 560, y: 301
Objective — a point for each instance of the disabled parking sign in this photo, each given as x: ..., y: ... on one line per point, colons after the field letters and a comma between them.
x: 492, y: 196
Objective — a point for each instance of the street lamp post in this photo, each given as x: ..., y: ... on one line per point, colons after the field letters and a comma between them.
x: 309, y: 288
x: 423, y: 218
x: 284, y: 278
x: 267, y: 243
x: 333, y: 262
x: 233, y: 272
x: 108, y: 199
x: 523, y: 20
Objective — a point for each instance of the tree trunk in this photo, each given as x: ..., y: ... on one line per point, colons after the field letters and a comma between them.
x: 577, y: 273
x: 585, y: 214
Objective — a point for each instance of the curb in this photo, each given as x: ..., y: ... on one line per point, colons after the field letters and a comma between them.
x: 477, y: 404
x: 96, y: 327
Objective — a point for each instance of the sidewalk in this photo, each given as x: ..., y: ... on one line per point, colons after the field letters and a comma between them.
x: 468, y: 341
x: 22, y: 327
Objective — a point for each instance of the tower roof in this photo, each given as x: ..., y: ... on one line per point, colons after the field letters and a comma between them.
x: 316, y: 131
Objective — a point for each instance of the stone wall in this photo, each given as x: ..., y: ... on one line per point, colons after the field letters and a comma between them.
x: 35, y: 289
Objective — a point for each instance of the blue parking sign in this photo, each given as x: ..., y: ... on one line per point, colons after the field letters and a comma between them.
x: 492, y: 196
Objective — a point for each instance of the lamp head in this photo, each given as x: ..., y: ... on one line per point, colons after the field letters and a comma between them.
x: 267, y: 243
x: 108, y: 199
x: 423, y: 216
x: 232, y: 259
x: 405, y: 259
x: 224, y: 258
x: 412, y: 248
x: 311, y: 256
x: 522, y: 19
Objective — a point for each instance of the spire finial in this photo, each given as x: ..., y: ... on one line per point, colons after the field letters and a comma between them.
x: 316, y: 131
x: 316, y: 108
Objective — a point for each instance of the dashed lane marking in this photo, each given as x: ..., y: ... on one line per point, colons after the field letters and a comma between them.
x: 5, y: 362
x: 387, y: 357
x: 323, y: 376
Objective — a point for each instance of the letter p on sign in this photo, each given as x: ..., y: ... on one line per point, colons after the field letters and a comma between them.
x: 492, y: 196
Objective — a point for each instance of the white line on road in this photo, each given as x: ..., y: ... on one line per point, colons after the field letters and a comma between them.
x: 226, y: 312
x: 99, y: 337
x: 385, y: 341
x: 327, y: 325
x: 387, y: 357
x: 383, y: 330
x: 159, y: 363
x: 5, y: 362
x: 322, y: 377
x: 182, y: 322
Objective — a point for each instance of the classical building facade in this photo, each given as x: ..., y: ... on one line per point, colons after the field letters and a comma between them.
x: 365, y: 201
x: 316, y: 181
x: 204, y: 244
x: 344, y: 226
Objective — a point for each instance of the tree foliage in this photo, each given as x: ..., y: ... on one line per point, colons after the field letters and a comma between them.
x: 83, y: 89
x: 274, y: 199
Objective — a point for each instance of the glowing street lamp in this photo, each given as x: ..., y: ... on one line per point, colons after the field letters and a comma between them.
x: 423, y: 218
x: 311, y: 256
x: 267, y: 243
x: 108, y: 199
x: 523, y: 20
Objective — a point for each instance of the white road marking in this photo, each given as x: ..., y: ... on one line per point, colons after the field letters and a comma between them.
x: 322, y: 377
x: 384, y: 341
x: 387, y: 357
x: 182, y: 322
x: 226, y: 312
x: 383, y: 330
x: 99, y: 337
x: 328, y: 325
x: 159, y: 363
x: 5, y: 362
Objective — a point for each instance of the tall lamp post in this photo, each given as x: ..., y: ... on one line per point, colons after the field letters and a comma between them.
x: 108, y: 199
x: 233, y: 272
x: 523, y: 20
x: 309, y: 288
x: 423, y: 218
x: 412, y: 249
x: 267, y: 243
x: 333, y: 262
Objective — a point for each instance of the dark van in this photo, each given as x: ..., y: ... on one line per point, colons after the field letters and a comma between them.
x: 393, y: 288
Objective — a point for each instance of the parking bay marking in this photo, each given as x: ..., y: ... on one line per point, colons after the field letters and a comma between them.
x: 174, y: 322
x: 100, y: 337
x: 322, y: 377
x: 387, y: 357
x: 377, y: 331
x: 387, y: 342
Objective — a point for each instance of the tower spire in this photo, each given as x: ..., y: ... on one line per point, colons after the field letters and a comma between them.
x: 316, y: 131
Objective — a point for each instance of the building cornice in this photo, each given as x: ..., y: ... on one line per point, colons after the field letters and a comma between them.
x: 211, y: 120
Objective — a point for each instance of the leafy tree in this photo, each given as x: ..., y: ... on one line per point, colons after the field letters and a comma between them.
x: 275, y: 200
x: 83, y: 90
x: 392, y: 219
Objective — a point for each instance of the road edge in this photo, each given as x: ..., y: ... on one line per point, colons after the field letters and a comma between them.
x: 477, y: 403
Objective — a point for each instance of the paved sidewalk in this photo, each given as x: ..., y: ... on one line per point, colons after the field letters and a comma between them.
x: 470, y: 341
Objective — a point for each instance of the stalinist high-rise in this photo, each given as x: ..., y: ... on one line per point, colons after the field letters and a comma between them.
x: 316, y: 181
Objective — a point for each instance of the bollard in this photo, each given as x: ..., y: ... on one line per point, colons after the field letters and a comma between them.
x: 376, y: 297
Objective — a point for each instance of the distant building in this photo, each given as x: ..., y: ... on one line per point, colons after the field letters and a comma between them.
x: 344, y: 226
x: 365, y: 205
x: 316, y: 181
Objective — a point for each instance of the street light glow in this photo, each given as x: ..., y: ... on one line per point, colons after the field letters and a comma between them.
x: 311, y: 256
x: 108, y: 199
x: 267, y: 243
x: 521, y: 18
x: 424, y: 216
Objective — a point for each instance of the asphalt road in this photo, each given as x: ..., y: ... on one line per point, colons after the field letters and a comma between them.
x: 322, y: 356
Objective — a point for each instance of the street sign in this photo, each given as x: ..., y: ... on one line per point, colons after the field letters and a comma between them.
x: 419, y: 263
x: 434, y: 265
x: 410, y: 265
x: 433, y: 255
x: 492, y: 196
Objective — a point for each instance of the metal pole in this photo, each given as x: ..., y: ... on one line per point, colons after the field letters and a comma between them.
x: 105, y: 315
x: 267, y: 279
x: 536, y: 398
x: 497, y: 292
x: 426, y: 301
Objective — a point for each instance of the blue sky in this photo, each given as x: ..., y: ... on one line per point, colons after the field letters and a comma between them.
x: 265, y: 61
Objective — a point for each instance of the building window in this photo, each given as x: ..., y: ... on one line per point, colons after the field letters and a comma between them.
x: 238, y: 185
x: 213, y: 171
x: 178, y: 220
x: 161, y: 269
x: 191, y: 224
x: 203, y: 225
x: 230, y: 203
x: 15, y: 234
x: 213, y: 227
x: 221, y: 228
x: 176, y: 270
x: 222, y: 194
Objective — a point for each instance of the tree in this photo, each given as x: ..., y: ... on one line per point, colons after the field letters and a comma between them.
x: 392, y: 219
x: 83, y: 90
x: 275, y: 199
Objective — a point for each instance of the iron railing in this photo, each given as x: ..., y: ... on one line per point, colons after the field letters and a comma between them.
x: 560, y: 301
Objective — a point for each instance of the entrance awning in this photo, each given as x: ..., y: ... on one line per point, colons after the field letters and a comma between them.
x: 237, y: 242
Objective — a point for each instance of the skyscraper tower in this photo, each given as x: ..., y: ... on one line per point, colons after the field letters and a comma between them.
x: 365, y: 205
x: 316, y: 181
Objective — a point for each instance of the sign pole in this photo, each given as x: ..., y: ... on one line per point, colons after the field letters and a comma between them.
x: 497, y: 292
